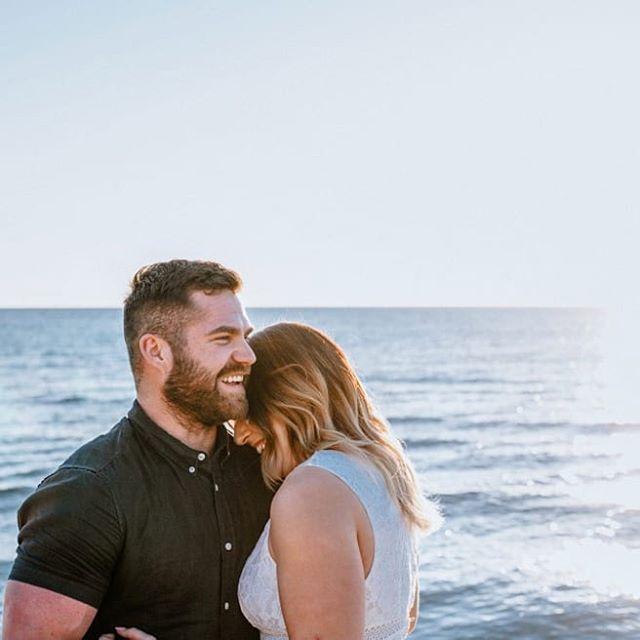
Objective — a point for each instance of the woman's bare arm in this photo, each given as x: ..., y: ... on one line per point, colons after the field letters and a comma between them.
x: 415, y: 609
x: 314, y: 541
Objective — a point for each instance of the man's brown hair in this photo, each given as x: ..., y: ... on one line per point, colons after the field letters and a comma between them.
x: 159, y: 300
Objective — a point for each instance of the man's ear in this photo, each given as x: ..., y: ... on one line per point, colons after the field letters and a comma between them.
x: 156, y: 353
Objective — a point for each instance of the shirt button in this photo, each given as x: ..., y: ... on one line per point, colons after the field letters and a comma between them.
x: 192, y: 469
x: 226, y: 606
x: 228, y: 546
x: 202, y: 456
x: 216, y: 487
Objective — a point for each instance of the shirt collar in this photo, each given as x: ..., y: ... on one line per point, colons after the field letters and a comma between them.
x: 190, y: 459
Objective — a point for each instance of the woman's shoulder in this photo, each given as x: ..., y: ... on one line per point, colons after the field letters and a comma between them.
x: 308, y: 482
x: 311, y: 506
x: 341, y: 463
x: 359, y: 472
x: 311, y: 491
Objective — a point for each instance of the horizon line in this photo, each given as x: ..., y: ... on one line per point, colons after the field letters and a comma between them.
x: 338, y: 307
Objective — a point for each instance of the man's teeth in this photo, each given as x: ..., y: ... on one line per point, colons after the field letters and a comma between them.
x: 231, y: 379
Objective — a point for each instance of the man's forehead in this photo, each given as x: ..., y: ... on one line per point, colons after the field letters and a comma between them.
x: 220, y: 307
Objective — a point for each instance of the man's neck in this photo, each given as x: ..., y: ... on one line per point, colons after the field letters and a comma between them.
x: 194, y: 436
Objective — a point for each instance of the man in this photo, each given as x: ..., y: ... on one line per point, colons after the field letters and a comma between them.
x: 149, y: 525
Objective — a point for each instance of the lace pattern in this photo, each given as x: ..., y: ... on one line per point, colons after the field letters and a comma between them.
x: 392, y: 631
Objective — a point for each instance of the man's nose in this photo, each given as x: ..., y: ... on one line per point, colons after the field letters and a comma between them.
x: 244, y: 354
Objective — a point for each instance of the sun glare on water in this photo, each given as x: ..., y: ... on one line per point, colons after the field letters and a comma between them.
x: 610, y: 483
x: 621, y: 364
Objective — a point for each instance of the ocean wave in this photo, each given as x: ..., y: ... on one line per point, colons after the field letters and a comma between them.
x: 510, y: 424
x: 419, y: 443
x: 483, y: 459
x: 411, y: 420
x: 17, y: 491
x: 440, y: 380
x: 612, y: 427
x: 60, y: 400
x: 34, y: 473
x: 35, y: 442
x: 469, y: 505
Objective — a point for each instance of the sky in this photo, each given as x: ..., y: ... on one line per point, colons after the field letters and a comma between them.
x: 422, y: 153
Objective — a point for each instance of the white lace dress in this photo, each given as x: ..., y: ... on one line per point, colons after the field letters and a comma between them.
x: 390, y: 585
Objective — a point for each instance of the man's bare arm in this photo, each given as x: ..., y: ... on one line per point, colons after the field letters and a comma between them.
x: 34, y: 613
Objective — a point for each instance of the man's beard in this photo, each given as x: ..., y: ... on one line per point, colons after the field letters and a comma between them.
x: 192, y: 391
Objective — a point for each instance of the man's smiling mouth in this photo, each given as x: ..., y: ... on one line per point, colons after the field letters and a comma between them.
x: 233, y: 379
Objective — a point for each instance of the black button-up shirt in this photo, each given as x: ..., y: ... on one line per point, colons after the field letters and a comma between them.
x: 150, y: 532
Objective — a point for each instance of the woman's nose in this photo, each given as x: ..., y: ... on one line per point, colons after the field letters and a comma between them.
x: 241, y: 432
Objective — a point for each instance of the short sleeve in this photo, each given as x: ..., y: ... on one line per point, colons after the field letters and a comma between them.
x: 70, y: 536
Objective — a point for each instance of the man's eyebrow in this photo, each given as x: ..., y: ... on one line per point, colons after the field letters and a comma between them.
x: 225, y: 328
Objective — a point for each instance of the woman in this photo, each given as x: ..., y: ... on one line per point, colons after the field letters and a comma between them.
x: 337, y: 559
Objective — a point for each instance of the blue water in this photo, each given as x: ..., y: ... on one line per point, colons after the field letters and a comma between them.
x: 504, y: 413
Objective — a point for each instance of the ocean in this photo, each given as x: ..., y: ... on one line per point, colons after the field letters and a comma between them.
x: 504, y: 414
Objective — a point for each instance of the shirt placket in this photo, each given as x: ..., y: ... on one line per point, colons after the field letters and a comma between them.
x: 228, y: 553
x: 195, y: 464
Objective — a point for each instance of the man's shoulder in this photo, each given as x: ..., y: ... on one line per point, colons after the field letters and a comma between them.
x: 83, y: 483
x: 100, y: 454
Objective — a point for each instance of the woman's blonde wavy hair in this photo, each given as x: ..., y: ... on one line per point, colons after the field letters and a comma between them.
x: 303, y: 380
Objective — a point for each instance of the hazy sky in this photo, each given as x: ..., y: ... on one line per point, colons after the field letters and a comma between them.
x: 336, y: 153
